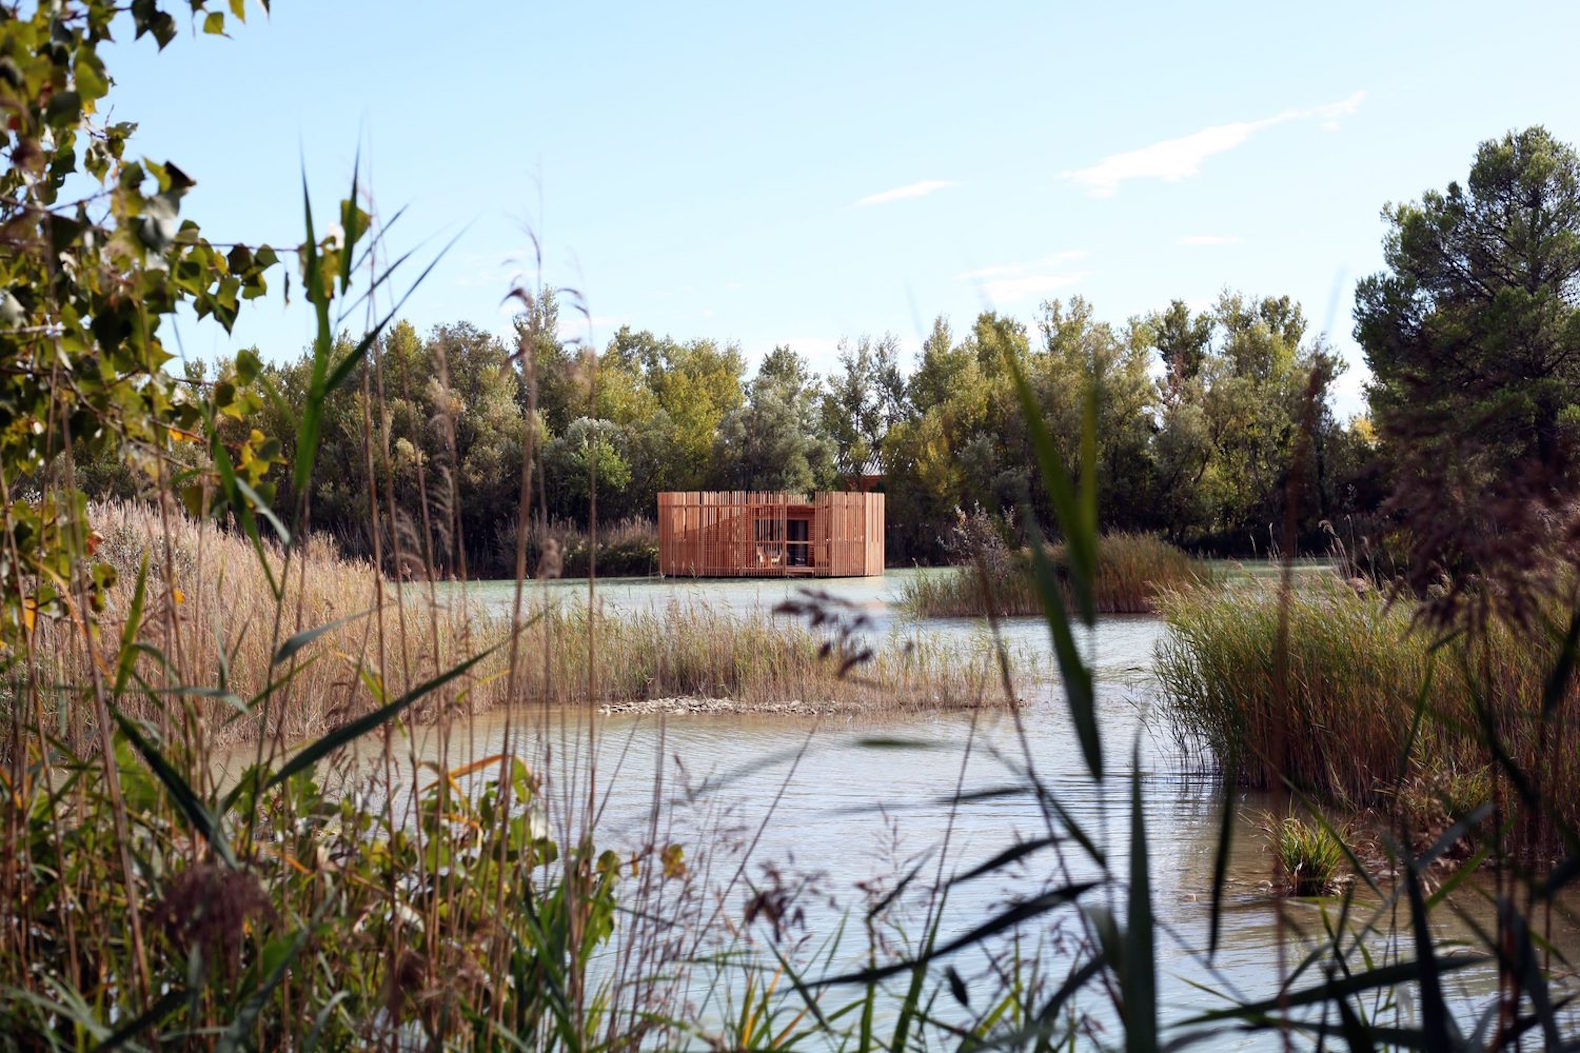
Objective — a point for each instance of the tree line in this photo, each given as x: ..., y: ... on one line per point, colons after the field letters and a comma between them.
x: 1210, y: 424
x: 1197, y: 417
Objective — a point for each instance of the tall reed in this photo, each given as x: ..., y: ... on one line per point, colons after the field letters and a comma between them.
x: 1367, y: 701
x: 1133, y: 571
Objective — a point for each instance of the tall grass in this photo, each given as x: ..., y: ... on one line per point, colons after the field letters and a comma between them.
x: 1133, y: 572
x: 1310, y: 856
x: 753, y: 659
x: 211, y: 627
x: 1366, y: 702
x: 314, y: 904
x: 214, y: 622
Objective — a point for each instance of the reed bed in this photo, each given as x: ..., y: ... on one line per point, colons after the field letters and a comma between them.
x: 211, y: 614
x: 214, y: 612
x: 1338, y: 722
x: 757, y: 659
x: 1133, y: 571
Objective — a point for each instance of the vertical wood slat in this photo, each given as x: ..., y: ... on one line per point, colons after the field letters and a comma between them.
x: 743, y: 533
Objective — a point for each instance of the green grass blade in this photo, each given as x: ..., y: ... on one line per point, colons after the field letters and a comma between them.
x: 1010, y: 855
x: 1380, y: 978
x: 263, y: 509
x: 1220, y: 863
x: 1563, y: 669
x: 1067, y: 507
x: 1008, y: 918
x: 1078, y: 689
x: 323, y: 747
x: 307, y: 636
x: 153, y: 1016
x: 1139, y: 981
x: 186, y: 800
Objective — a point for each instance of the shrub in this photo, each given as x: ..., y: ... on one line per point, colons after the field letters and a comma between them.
x: 1133, y: 572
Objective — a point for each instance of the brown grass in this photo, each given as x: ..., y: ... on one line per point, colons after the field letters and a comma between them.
x: 1133, y: 570
x: 1340, y: 723
x: 210, y: 619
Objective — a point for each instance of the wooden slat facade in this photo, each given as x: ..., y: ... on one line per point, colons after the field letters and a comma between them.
x: 742, y: 533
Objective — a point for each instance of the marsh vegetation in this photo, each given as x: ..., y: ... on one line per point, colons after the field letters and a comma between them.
x: 250, y: 797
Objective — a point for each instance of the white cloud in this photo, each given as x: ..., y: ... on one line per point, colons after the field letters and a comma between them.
x: 1210, y: 239
x: 1174, y: 159
x: 1008, y: 270
x: 906, y: 192
x: 1007, y: 283
x: 1027, y: 286
x: 575, y: 326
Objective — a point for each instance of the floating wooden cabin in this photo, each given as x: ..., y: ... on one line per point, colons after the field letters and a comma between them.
x: 748, y: 534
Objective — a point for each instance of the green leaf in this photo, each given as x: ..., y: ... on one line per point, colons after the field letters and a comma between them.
x: 64, y: 107
x: 277, y: 958
x: 88, y: 74
x: 307, y: 636
x: 1139, y: 980
x: 183, y: 795
x: 214, y: 22
x: 353, y: 224
x: 323, y: 747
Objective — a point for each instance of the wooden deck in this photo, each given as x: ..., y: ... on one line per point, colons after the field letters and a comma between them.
x: 741, y: 533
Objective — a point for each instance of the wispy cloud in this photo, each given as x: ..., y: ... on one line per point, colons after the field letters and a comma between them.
x: 1210, y: 239
x: 906, y: 192
x: 1007, y: 283
x: 1174, y: 159
x: 575, y: 326
x: 1009, y: 270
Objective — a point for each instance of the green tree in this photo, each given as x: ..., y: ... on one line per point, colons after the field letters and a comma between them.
x: 560, y: 368
x: 772, y: 442
x: 1238, y: 391
x: 1079, y: 352
x: 96, y: 257
x: 697, y: 384
x: 570, y: 461
x: 1473, y: 336
x: 863, y: 399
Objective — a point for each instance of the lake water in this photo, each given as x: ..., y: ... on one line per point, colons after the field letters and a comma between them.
x: 844, y: 802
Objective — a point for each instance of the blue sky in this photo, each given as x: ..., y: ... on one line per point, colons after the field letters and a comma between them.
x: 801, y: 173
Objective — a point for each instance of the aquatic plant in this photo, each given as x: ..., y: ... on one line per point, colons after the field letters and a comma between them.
x: 343, y: 893
x: 1133, y: 572
x: 1310, y: 856
x: 1365, y: 700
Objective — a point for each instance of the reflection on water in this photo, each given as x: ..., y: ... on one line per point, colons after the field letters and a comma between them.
x: 853, y: 799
